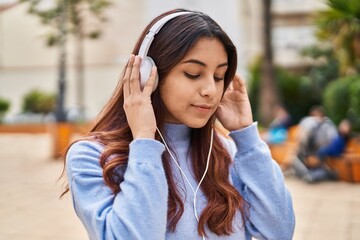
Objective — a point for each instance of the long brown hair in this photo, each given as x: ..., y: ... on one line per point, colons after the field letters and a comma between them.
x: 169, y: 46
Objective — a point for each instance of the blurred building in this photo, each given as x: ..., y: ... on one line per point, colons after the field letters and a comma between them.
x: 27, y: 63
x: 293, y: 29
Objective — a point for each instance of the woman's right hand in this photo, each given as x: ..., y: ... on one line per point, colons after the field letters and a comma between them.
x: 137, y: 104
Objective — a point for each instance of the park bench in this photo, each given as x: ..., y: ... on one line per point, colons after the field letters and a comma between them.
x: 348, y: 164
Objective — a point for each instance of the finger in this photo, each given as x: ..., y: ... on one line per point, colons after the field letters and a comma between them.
x: 235, y: 81
x: 239, y: 84
x: 230, y: 87
x: 135, y: 74
x: 148, y: 89
x: 126, y: 77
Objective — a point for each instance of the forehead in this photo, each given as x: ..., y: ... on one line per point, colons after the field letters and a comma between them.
x: 208, y: 48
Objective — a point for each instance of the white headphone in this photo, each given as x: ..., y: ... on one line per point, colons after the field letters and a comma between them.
x: 147, y: 62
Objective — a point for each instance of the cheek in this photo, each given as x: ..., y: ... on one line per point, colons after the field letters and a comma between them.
x: 169, y: 94
x: 220, y: 91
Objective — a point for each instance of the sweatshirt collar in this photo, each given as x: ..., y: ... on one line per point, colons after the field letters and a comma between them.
x: 177, y: 133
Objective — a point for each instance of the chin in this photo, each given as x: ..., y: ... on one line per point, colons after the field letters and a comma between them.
x: 197, y: 124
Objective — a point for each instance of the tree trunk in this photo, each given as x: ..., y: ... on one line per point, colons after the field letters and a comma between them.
x: 60, y: 101
x: 268, y: 90
x: 80, y: 80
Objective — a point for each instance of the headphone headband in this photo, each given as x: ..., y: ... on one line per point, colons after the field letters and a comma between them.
x: 145, y: 45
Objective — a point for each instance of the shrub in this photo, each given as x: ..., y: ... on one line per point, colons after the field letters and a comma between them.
x: 37, y: 101
x: 297, y: 93
x: 355, y: 97
x: 341, y: 99
x: 4, y: 107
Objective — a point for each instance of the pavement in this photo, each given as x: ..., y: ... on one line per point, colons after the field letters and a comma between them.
x: 30, y: 207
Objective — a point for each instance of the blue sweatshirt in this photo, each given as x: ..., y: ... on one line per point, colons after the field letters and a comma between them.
x: 139, y: 211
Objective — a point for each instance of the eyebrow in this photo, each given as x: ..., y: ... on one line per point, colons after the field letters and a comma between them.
x: 203, y: 64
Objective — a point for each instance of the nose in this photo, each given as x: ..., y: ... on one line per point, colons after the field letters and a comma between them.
x: 208, y: 87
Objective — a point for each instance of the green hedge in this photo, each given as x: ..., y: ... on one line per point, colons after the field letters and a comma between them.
x: 37, y: 101
x: 297, y: 93
x: 4, y: 107
x: 342, y: 100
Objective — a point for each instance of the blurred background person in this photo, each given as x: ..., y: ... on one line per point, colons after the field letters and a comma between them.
x: 337, y: 145
x: 278, y: 128
x: 315, y: 131
x: 318, y: 169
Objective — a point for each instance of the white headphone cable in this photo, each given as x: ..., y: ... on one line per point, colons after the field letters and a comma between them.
x: 173, y: 158
x: 182, y: 172
x: 206, y: 169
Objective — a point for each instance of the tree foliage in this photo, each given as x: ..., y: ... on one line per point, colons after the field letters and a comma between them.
x: 341, y: 99
x: 81, y: 17
x: 340, y: 25
x: 325, y: 65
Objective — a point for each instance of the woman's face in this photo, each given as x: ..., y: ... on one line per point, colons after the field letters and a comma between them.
x: 193, y: 88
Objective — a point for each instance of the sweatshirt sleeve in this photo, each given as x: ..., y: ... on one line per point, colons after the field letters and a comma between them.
x: 138, y: 211
x: 260, y: 181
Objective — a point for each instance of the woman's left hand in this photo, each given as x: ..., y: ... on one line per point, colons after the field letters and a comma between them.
x: 234, y: 111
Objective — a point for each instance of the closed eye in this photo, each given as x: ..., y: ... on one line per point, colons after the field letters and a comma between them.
x: 196, y: 76
x: 218, y: 79
x: 192, y: 76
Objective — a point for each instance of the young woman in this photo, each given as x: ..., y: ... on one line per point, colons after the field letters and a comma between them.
x: 153, y: 168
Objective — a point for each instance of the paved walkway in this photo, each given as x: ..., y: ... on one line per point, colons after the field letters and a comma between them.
x: 30, y: 208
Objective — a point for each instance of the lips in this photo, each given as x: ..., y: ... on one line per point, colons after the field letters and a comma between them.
x: 203, y: 108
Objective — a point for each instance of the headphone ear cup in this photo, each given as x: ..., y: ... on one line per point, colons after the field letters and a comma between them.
x: 145, y: 70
